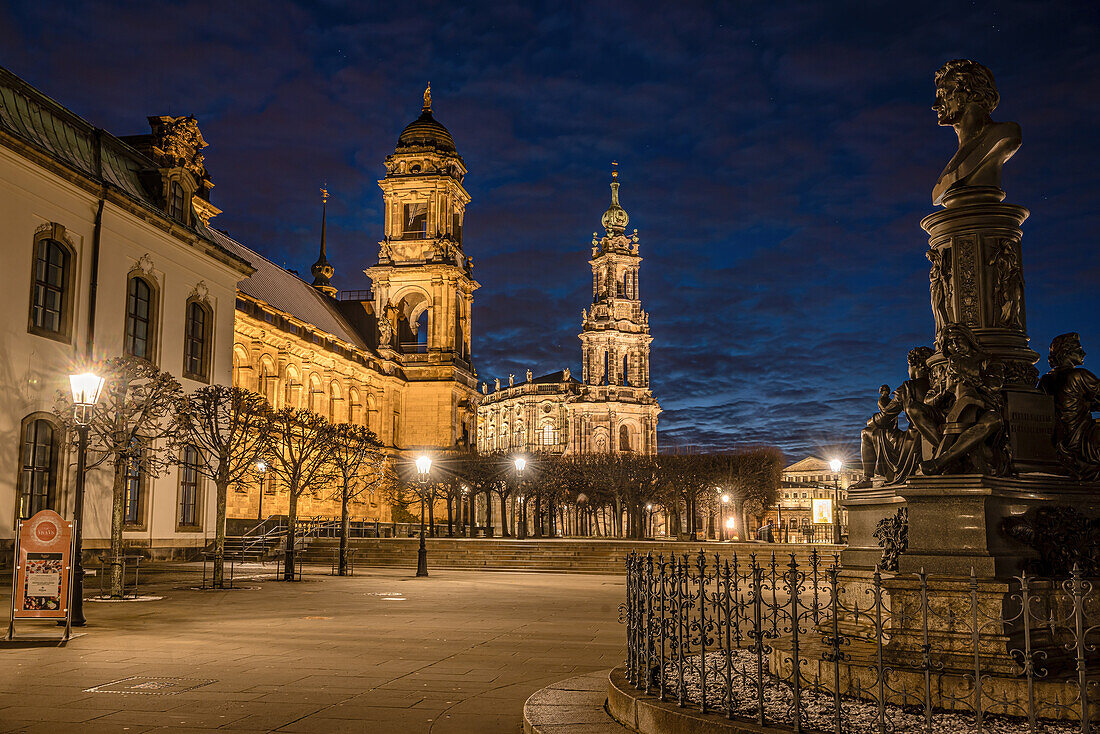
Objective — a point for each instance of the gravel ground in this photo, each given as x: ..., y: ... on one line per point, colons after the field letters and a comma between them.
x: 860, y: 717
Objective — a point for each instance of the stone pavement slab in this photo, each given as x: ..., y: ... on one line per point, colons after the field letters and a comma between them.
x: 461, y: 652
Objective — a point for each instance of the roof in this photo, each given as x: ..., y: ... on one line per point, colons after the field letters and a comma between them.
x: 287, y: 292
x: 551, y: 378
x: 37, y: 120
x: 816, y: 463
x: 426, y: 130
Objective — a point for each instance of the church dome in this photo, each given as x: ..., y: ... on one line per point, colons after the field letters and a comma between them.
x: 426, y: 130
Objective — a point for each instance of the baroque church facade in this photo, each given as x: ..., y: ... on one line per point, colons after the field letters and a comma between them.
x: 611, y: 408
x: 395, y: 358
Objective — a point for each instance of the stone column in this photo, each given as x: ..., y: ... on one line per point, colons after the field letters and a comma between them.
x: 977, y: 238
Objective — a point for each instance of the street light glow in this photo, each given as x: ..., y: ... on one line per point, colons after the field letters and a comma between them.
x: 729, y: 523
x: 261, y: 466
x: 424, y: 464
x: 725, y: 499
x: 521, y: 463
x: 836, y: 465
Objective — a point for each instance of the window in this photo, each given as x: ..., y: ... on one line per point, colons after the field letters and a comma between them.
x: 132, y: 508
x: 140, y: 313
x: 456, y: 227
x: 313, y: 398
x: 292, y: 384
x: 189, y: 487
x: 354, y: 407
x: 624, y: 438
x: 49, y: 296
x: 177, y: 202
x: 416, y: 219
x: 549, y: 435
x: 196, y: 341
x: 38, y: 479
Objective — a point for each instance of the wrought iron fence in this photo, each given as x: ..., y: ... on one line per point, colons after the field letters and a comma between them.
x: 807, y: 646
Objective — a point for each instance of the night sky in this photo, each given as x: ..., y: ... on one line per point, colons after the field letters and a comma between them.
x: 776, y: 159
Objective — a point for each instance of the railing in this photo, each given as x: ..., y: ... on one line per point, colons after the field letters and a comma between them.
x: 808, y: 647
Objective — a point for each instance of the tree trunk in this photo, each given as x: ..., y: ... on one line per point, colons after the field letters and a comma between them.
x: 118, y: 517
x: 488, y: 514
x: 222, y: 488
x: 538, y: 516
x: 505, y: 530
x: 345, y: 526
x: 431, y: 515
x: 292, y: 516
x: 450, y: 516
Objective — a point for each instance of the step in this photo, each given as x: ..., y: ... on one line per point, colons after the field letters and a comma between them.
x: 572, y: 706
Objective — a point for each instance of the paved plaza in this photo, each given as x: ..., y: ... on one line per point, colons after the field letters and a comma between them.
x: 379, y: 652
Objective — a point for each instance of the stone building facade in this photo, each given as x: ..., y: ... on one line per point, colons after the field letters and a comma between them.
x: 104, y: 251
x: 611, y: 409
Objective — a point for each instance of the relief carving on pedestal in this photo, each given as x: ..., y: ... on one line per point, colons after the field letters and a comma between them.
x: 966, y: 282
x: 1008, y: 284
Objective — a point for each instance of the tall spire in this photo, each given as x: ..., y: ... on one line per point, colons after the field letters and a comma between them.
x: 615, y: 219
x: 322, y: 270
x: 427, y: 98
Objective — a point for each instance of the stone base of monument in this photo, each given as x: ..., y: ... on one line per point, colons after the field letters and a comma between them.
x: 910, y: 687
x: 955, y: 522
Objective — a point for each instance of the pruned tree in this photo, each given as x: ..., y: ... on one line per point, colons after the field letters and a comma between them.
x: 361, y: 465
x: 134, y: 431
x: 230, y: 430
x: 681, y: 479
x: 300, y: 450
x: 754, y: 476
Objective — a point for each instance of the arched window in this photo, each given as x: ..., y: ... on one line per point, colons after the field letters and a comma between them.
x: 626, y: 369
x: 140, y: 318
x: 313, y: 399
x: 355, y: 408
x: 196, y: 341
x: 333, y: 400
x: 38, y: 479
x: 549, y: 435
x: 373, y: 423
x: 51, y: 289
x: 177, y: 202
x: 189, y: 488
x: 292, y: 384
x: 267, y: 378
x: 624, y: 438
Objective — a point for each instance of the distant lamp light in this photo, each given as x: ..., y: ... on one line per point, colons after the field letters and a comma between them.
x: 729, y: 523
x: 521, y: 463
x: 725, y: 499
x: 261, y: 466
x: 649, y: 506
x: 85, y: 388
x: 836, y: 465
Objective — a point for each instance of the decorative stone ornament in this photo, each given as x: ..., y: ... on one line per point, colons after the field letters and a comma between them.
x: 177, y: 143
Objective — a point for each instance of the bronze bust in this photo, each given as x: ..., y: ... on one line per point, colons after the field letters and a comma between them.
x: 965, y: 97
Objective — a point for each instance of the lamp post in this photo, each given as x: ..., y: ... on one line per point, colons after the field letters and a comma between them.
x: 649, y: 519
x: 423, y: 468
x: 725, y: 501
x: 85, y: 388
x: 466, y: 513
x: 521, y: 530
x: 261, y: 470
x: 836, y: 465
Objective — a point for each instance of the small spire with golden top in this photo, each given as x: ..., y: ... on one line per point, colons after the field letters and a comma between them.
x: 428, y: 98
x: 322, y: 270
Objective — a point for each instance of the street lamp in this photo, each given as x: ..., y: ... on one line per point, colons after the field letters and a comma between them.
x: 261, y: 470
x: 466, y: 513
x: 836, y: 465
x: 649, y: 519
x: 423, y: 468
x: 521, y: 531
x: 85, y: 388
x: 725, y: 501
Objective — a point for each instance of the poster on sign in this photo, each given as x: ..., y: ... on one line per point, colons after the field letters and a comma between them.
x: 41, y: 580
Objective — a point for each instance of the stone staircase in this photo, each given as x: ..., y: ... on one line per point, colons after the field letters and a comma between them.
x: 559, y: 554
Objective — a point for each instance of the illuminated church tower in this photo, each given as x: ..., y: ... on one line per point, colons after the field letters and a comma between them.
x: 423, y: 283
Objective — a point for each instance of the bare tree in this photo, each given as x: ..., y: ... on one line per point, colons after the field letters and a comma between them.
x: 134, y: 431
x: 230, y: 430
x: 300, y: 449
x: 361, y: 465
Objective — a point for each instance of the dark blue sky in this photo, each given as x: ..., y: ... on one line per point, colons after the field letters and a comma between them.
x: 776, y: 158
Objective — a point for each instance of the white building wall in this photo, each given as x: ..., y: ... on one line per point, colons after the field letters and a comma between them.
x: 34, y: 368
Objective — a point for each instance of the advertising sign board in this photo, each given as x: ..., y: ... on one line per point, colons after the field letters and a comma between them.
x: 43, y: 558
